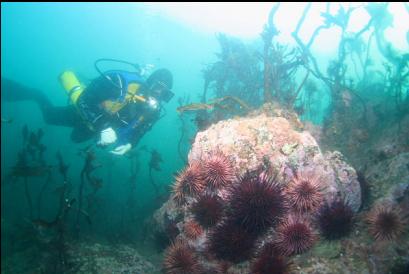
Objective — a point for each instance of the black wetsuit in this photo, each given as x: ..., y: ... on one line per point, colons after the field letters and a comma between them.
x: 125, y: 122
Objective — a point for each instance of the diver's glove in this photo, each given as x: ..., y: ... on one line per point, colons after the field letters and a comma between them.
x: 108, y: 136
x: 122, y: 149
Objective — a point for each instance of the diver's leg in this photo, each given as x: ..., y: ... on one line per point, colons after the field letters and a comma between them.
x: 60, y: 116
x: 13, y: 91
x: 68, y: 117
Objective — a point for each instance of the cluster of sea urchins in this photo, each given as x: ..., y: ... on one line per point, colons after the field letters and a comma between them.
x: 234, y: 212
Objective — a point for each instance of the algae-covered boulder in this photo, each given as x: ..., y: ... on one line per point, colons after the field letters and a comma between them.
x: 248, y: 142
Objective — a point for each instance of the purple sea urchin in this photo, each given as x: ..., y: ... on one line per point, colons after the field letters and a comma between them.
x: 180, y: 258
x: 229, y: 242
x: 294, y: 236
x: 256, y: 202
x: 386, y: 222
x: 188, y: 182
x: 304, y: 192
x: 335, y: 219
x: 270, y: 261
x: 192, y: 230
x: 217, y: 170
x: 207, y: 210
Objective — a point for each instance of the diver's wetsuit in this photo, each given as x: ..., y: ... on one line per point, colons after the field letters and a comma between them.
x: 125, y: 122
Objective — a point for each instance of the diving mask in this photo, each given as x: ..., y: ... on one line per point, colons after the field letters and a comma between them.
x: 160, y: 91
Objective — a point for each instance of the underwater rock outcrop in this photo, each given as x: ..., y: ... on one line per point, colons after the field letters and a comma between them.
x: 99, y: 258
x: 83, y: 257
x: 263, y: 139
x: 270, y: 148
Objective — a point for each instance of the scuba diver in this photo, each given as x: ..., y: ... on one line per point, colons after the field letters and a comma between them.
x: 117, y: 108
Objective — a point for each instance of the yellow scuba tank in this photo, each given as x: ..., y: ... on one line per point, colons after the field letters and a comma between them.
x: 71, y: 85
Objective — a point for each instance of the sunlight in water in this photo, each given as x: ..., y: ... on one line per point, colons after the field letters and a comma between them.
x: 246, y: 20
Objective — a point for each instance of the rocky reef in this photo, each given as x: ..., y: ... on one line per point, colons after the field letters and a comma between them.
x: 267, y: 185
x: 83, y: 257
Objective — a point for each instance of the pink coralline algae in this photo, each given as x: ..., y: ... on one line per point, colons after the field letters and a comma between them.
x: 251, y: 141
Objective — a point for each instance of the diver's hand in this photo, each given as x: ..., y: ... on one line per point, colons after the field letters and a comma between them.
x: 108, y: 136
x: 122, y: 149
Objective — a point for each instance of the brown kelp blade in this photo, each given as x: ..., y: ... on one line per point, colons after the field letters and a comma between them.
x: 30, y: 171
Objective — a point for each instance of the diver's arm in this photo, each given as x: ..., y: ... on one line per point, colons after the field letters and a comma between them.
x: 145, y: 126
x: 134, y: 131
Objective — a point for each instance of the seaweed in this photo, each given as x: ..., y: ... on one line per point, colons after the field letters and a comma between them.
x: 57, y: 245
x: 183, y: 127
x: 154, y: 164
x: 86, y: 176
x: 30, y: 163
x: 215, y: 110
x: 268, y: 33
x: 236, y: 73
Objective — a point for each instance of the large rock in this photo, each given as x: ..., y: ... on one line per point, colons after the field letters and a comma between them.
x: 254, y: 140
